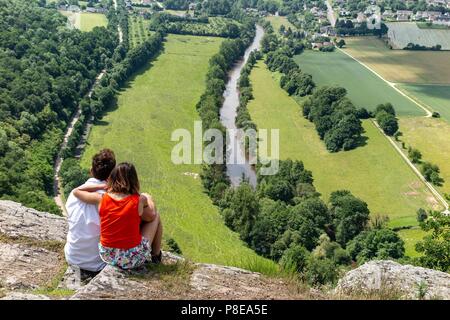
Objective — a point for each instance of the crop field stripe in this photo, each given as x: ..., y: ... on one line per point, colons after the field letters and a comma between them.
x: 363, y: 86
x: 392, y: 85
x: 435, y: 96
x: 159, y: 99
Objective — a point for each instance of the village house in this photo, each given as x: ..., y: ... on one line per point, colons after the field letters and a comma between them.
x: 404, y: 15
x: 426, y: 15
x: 443, y: 20
x: 388, y: 14
x: 328, y: 31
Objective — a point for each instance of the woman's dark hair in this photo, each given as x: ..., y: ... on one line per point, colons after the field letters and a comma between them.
x: 102, y: 164
x: 124, y: 179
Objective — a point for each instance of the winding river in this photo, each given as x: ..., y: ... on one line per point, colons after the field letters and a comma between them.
x: 236, y: 171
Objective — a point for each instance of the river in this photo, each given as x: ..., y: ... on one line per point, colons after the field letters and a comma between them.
x: 236, y: 172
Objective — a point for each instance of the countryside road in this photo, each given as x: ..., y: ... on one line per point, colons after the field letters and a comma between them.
x: 330, y: 13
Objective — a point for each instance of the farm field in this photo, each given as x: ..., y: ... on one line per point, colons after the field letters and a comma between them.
x: 364, y: 87
x: 435, y: 97
x: 138, y: 30
x: 374, y: 172
x: 402, y: 33
x: 432, y: 137
x: 277, y: 21
x: 155, y: 102
x: 401, y: 65
x: 85, y: 21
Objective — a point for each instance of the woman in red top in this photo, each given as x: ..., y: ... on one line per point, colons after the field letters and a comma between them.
x: 130, y: 226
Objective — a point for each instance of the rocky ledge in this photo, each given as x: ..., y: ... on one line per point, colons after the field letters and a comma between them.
x: 32, y: 266
x: 393, y: 280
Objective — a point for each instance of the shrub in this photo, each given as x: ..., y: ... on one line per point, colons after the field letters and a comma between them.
x: 294, y: 259
x: 321, y: 271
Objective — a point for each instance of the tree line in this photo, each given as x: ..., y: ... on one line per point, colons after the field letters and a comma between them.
x: 286, y: 220
x: 103, y: 97
x: 336, y: 119
x: 45, y: 70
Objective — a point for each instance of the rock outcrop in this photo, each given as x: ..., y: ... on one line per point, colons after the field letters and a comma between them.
x: 31, y: 258
x: 32, y: 266
x: 393, y: 280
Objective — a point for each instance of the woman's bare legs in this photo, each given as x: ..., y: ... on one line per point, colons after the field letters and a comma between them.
x: 153, y: 232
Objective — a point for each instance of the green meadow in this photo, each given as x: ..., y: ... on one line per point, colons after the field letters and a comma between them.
x: 160, y: 98
x: 89, y: 21
x: 364, y: 88
x: 374, y: 172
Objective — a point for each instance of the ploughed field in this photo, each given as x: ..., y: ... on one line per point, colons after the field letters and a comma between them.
x: 402, y: 33
x: 406, y: 66
x: 434, y: 97
x: 160, y: 98
x: 364, y: 88
x: 374, y: 172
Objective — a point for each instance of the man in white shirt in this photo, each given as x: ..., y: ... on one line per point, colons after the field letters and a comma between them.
x: 81, y: 249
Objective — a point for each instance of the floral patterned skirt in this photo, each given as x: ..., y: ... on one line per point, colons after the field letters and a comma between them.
x: 127, y: 258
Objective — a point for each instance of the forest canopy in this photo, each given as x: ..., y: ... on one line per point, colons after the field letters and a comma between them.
x: 46, y: 68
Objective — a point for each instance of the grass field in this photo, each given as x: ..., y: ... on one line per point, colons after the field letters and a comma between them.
x: 91, y: 20
x: 410, y: 236
x: 374, y: 172
x: 85, y: 21
x: 402, y: 33
x: 432, y: 137
x: 435, y: 97
x: 364, y: 88
x: 138, y: 30
x: 277, y: 21
x: 401, y: 65
x: 154, y: 103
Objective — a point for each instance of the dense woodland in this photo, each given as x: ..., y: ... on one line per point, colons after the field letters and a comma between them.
x: 45, y: 70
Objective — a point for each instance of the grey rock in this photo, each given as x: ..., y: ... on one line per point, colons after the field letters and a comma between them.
x: 24, y: 296
x: 110, y: 283
x: 23, y: 267
x: 391, y: 278
x: 19, y: 221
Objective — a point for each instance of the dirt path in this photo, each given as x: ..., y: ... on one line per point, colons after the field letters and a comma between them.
x: 57, y: 188
x: 119, y: 29
x: 330, y: 13
x: 391, y: 84
x: 432, y: 189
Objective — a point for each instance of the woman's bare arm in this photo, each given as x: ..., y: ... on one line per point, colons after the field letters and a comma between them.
x: 148, y: 212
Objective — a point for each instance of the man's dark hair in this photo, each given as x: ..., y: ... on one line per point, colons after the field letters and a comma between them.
x: 102, y: 164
